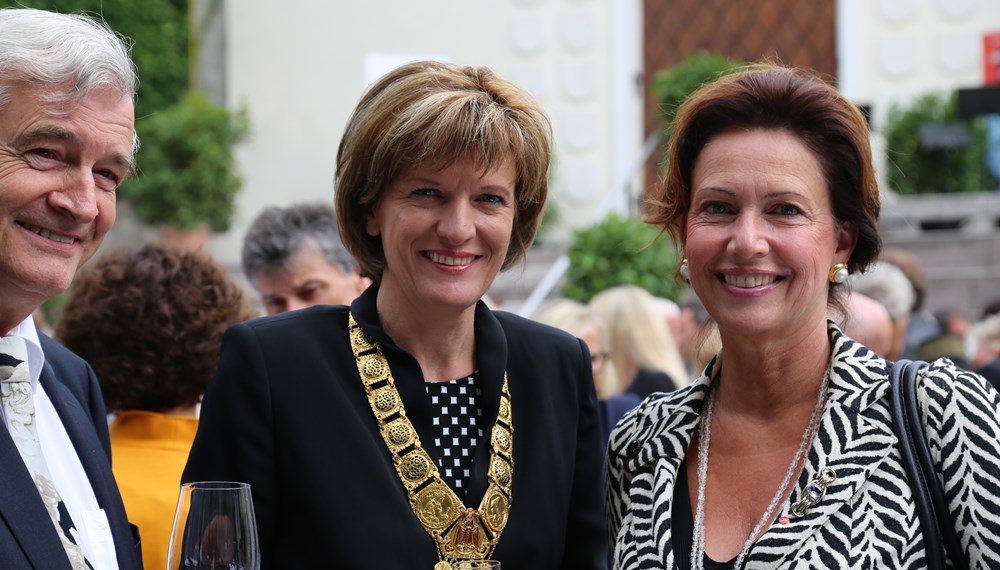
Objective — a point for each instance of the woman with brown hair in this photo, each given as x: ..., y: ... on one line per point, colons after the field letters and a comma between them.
x: 782, y: 454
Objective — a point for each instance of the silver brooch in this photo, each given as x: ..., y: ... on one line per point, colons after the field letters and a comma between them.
x: 814, y: 492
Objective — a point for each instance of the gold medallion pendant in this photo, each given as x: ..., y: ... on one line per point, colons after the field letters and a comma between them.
x: 459, y: 532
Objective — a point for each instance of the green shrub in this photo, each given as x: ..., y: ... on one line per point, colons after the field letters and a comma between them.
x: 621, y: 251
x: 187, y: 173
x: 670, y: 87
x: 914, y: 169
x: 159, y: 30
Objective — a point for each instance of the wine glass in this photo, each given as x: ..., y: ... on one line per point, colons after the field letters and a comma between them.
x: 214, y: 528
x: 476, y: 565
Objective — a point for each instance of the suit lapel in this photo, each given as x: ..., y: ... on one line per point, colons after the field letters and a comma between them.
x: 80, y: 428
x: 491, y: 360
x: 664, y: 471
x: 96, y: 464
x: 23, y: 512
x: 654, y: 454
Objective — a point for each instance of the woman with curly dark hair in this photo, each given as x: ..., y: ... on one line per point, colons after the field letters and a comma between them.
x: 150, y: 323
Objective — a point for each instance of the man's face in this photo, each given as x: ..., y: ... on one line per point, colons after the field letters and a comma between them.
x: 58, y: 176
x: 307, y: 280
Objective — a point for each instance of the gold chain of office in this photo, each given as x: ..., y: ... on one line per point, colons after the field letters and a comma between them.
x: 460, y: 533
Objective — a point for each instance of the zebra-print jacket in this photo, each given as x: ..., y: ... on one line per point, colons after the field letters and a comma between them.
x: 867, y: 518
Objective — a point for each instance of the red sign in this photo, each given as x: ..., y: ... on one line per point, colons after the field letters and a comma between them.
x: 991, y: 59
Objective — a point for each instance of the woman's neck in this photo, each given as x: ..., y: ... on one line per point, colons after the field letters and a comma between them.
x: 442, y: 342
x: 763, y: 379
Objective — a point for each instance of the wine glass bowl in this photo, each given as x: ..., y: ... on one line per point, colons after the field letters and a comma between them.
x: 214, y: 528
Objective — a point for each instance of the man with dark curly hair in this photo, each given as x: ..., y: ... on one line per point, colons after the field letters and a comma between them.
x: 150, y: 322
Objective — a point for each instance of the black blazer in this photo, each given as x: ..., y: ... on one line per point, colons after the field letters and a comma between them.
x: 287, y: 413
x: 27, y: 536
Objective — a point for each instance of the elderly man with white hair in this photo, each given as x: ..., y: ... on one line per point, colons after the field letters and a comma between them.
x: 67, y: 139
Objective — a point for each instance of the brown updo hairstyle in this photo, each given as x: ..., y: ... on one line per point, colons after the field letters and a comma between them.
x: 767, y: 96
x: 150, y: 323
x: 433, y: 114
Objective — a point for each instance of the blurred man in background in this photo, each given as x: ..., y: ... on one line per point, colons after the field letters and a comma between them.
x: 294, y: 258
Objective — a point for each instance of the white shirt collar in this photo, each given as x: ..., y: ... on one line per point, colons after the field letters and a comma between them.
x: 36, y: 358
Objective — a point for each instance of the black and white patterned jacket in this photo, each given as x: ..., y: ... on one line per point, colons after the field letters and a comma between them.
x: 867, y: 518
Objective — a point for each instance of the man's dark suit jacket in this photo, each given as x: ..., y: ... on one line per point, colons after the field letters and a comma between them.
x: 287, y: 413
x: 28, y: 538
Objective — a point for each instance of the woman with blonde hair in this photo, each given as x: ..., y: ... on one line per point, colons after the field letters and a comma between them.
x: 643, y: 350
x: 580, y: 321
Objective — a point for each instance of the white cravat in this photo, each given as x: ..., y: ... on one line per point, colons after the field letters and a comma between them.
x: 19, y: 409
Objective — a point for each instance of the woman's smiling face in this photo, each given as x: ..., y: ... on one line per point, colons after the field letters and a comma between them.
x: 445, y: 231
x: 760, y: 236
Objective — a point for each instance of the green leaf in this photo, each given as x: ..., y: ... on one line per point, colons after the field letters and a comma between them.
x: 621, y: 251
x: 670, y: 87
x: 158, y: 30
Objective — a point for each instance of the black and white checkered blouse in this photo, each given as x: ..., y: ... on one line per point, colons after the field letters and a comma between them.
x: 457, y: 428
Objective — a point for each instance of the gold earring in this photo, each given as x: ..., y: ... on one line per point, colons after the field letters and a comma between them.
x: 684, y: 271
x: 838, y: 273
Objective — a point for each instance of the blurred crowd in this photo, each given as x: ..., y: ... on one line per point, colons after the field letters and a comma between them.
x: 888, y: 314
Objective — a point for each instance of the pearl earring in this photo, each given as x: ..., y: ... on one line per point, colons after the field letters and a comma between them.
x: 838, y: 273
x: 684, y: 271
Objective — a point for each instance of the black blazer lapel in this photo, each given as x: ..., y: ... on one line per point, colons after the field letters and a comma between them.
x: 491, y: 360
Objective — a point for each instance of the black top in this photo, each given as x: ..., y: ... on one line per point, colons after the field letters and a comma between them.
x: 683, y: 519
x: 991, y: 371
x: 611, y: 409
x: 456, y: 416
x: 646, y: 382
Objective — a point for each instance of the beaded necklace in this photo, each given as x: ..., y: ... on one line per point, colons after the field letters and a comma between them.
x: 705, y: 434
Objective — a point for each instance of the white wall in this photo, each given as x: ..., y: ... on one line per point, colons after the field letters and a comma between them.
x: 893, y: 50
x: 300, y: 66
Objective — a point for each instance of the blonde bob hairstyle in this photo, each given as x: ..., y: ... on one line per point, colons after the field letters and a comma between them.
x: 433, y: 114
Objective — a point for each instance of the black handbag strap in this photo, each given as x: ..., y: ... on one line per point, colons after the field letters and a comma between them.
x: 932, y: 508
